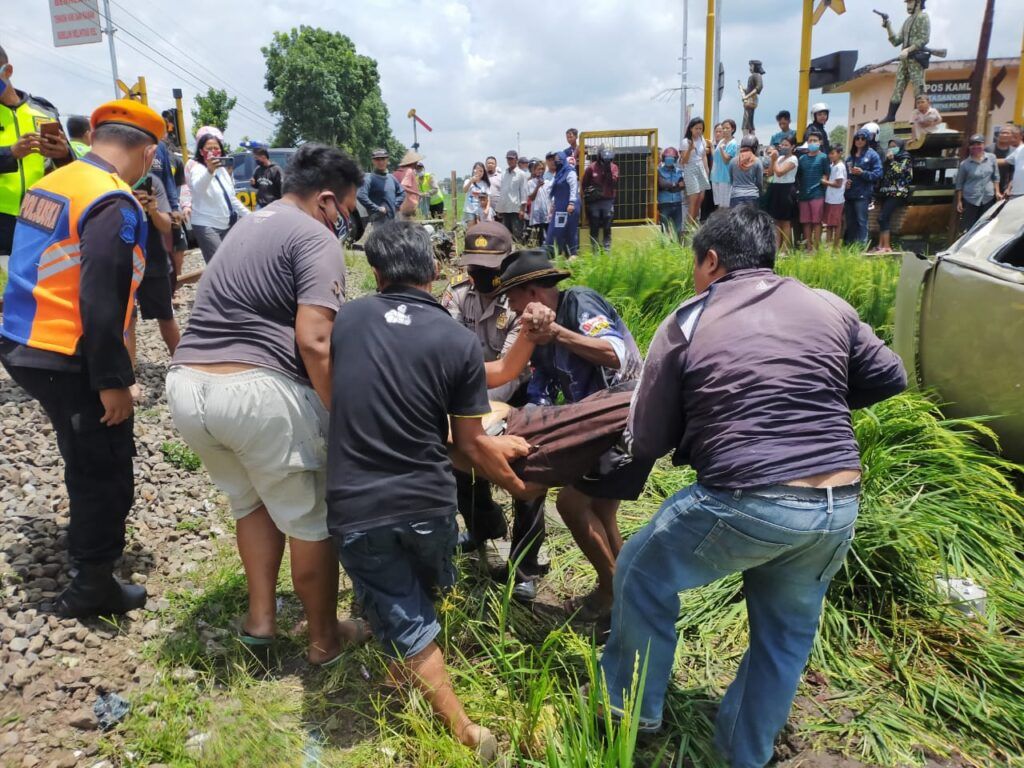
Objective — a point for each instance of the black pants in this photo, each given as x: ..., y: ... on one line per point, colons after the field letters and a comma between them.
x: 972, y: 213
x: 514, y: 224
x: 528, y: 533
x: 599, y: 215
x: 6, y: 233
x: 97, y: 461
x: 889, y: 207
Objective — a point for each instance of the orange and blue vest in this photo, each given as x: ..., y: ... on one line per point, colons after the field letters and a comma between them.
x: 41, y: 303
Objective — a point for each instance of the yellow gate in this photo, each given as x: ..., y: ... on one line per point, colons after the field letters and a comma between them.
x: 636, y: 154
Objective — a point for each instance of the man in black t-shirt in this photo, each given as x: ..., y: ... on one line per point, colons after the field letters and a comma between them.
x: 266, y: 179
x: 402, y: 366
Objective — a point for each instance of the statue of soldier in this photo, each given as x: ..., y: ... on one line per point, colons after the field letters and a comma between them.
x: 913, y: 59
x: 755, y: 84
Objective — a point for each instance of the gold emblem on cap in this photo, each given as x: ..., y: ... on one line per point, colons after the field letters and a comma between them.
x: 480, y: 242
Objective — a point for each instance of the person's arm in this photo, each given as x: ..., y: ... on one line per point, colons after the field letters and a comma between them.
x: 229, y: 186
x: 687, y: 151
x: 574, y: 190
x: 363, y: 196
x: 488, y: 454
x: 200, y: 179
x: 511, y: 365
x: 596, y: 350
x: 157, y: 206
x: 399, y: 192
x: 995, y: 182
x: 876, y: 372
x: 110, y: 234
x: 656, y: 417
x: 313, y: 326
x: 167, y: 176
x: 277, y: 180
x: 872, y: 170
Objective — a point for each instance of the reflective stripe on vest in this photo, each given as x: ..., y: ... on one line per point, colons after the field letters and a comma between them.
x: 41, y: 304
x: 14, y: 123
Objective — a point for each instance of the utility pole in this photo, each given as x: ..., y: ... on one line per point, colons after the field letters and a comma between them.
x: 710, y: 71
x: 110, y: 40
x: 1018, y: 110
x: 684, y: 91
x: 803, y: 94
x: 975, y: 120
x: 718, y: 54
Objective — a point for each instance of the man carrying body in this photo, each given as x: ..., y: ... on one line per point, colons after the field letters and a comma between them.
x: 390, y: 490
x: 752, y: 385
x: 475, y: 302
x: 76, y: 263
x: 381, y: 194
x: 25, y: 150
x: 513, y: 196
x: 266, y: 179
x: 588, y: 348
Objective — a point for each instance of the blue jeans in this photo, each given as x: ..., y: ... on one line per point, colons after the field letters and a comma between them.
x: 857, y: 221
x: 788, y: 543
x: 672, y: 217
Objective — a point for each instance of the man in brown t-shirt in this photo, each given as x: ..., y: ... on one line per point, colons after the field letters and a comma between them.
x: 250, y: 385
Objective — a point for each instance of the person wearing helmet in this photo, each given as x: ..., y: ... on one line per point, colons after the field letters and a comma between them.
x: 600, y: 182
x: 746, y: 174
x: 873, y: 129
x: 670, y: 192
x: 819, y: 116
x: 563, y: 231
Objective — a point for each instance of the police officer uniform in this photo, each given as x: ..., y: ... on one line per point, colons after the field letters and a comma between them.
x: 488, y: 244
x: 76, y: 262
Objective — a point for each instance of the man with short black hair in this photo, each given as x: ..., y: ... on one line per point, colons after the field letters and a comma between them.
x: 782, y: 118
x: 26, y: 153
x: 572, y: 136
x: 77, y: 259
x: 513, y: 196
x: 249, y: 388
x: 751, y: 383
x: 266, y: 179
x: 390, y: 489
x: 494, y: 174
x: 80, y: 133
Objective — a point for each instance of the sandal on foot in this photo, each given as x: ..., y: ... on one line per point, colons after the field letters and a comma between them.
x: 585, y: 608
x: 250, y: 640
x: 361, y: 634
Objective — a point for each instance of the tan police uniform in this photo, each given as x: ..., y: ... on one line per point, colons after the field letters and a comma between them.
x: 489, y: 317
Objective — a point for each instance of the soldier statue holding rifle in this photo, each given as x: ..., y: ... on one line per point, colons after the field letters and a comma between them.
x: 915, y: 54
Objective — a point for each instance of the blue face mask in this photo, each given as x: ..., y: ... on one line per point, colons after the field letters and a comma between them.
x: 813, y: 147
x: 670, y: 161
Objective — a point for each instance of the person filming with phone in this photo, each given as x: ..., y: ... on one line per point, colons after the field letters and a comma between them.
x: 31, y: 144
x: 215, y: 209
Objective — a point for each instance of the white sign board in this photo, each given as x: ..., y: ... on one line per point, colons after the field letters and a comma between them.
x: 75, y: 22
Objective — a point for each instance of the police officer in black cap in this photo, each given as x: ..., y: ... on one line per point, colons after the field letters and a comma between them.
x: 472, y: 299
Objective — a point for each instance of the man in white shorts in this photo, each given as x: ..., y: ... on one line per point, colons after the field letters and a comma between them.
x: 250, y: 384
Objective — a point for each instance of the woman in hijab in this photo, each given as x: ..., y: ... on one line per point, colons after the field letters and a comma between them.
x: 894, y: 191
x: 563, y: 231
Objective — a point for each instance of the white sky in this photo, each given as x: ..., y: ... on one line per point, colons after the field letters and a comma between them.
x: 481, y: 72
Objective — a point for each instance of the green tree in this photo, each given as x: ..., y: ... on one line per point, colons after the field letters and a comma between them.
x: 213, y: 108
x: 837, y: 137
x: 324, y: 90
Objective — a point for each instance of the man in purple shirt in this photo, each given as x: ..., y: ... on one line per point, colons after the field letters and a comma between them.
x: 751, y: 382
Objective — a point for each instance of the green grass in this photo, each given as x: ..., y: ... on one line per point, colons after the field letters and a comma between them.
x: 897, y: 676
x: 3, y: 281
x: 181, y: 456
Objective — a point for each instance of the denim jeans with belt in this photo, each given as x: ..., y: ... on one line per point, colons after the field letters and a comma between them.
x: 788, y: 542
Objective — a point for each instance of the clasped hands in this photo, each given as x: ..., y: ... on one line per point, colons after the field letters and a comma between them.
x: 538, y: 323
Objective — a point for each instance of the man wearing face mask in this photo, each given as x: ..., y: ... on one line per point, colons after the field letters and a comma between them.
x: 76, y: 262
x: 250, y: 384
x: 473, y: 301
x: 26, y: 153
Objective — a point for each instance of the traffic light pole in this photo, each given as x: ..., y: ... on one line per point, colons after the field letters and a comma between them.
x: 710, y: 71
x: 805, y: 69
x: 113, y: 52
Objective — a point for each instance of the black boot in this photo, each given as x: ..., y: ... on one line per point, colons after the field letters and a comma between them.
x: 95, y: 592
x: 891, y: 116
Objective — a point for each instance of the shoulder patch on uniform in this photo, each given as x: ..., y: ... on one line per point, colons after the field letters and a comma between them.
x: 129, y: 223
x: 593, y: 325
x: 41, y: 211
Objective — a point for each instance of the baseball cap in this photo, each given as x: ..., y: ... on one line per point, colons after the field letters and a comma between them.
x: 976, y: 139
x: 131, y: 113
x: 487, y: 245
x: 511, y: 153
x: 379, y: 152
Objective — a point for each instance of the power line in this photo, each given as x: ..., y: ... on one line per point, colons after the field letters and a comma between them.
x: 185, y: 54
x: 190, y: 77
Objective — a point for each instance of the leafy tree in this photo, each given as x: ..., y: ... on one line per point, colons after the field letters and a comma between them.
x: 213, y: 108
x: 837, y: 137
x: 324, y: 90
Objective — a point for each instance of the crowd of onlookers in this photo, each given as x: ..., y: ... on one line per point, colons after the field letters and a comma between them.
x: 823, y: 188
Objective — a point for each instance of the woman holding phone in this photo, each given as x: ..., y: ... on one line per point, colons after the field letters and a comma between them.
x: 215, y: 208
